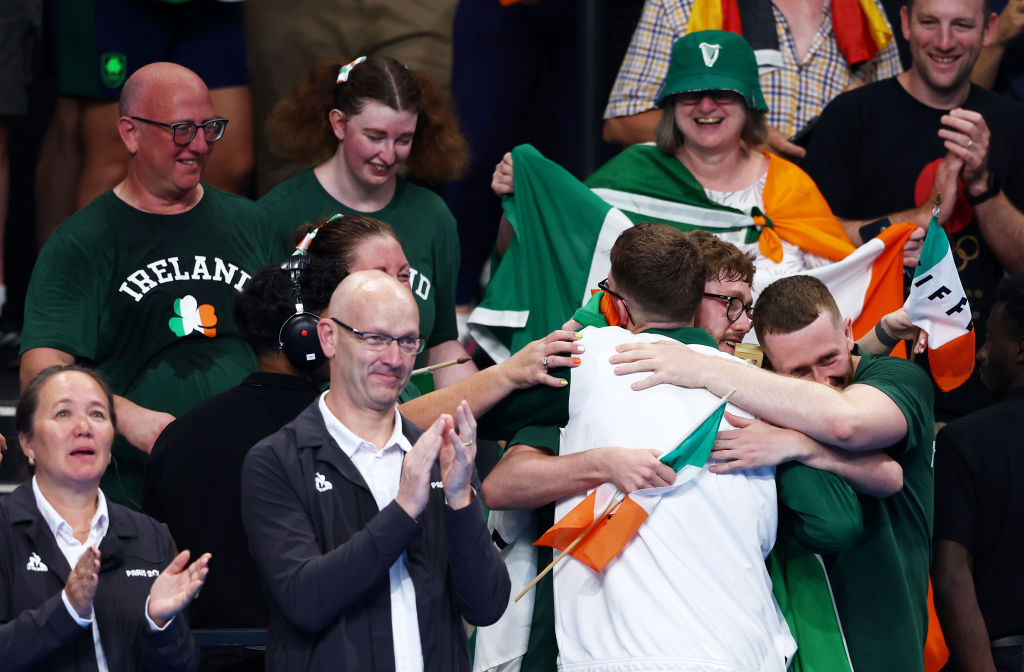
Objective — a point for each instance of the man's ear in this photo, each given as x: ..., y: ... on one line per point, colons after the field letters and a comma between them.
x: 129, y: 130
x: 848, y: 333
x: 905, y: 22
x: 338, y: 123
x: 988, y: 35
x: 620, y: 309
x: 325, y: 329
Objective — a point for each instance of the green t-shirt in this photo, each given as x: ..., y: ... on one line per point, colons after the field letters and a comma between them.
x: 424, y: 226
x: 881, y: 583
x: 147, y: 299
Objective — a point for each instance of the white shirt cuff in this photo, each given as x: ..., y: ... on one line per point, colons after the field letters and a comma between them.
x: 84, y: 622
x: 153, y: 626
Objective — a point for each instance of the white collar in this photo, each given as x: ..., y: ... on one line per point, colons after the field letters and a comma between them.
x: 350, y: 442
x: 100, y: 521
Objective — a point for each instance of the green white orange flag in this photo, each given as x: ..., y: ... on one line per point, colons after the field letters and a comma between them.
x: 564, y: 232
x: 611, y: 535
x: 938, y: 305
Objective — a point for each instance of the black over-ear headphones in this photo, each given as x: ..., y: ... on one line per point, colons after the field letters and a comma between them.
x: 298, y: 338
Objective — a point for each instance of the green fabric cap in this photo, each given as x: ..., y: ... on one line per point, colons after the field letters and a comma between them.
x: 713, y: 60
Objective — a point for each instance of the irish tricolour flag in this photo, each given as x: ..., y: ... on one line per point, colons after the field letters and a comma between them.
x: 564, y: 233
x: 608, y: 530
x: 938, y: 305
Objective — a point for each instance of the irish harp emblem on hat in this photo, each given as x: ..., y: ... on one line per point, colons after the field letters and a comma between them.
x: 709, y: 52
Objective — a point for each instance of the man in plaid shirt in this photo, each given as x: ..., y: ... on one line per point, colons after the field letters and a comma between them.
x: 798, y: 79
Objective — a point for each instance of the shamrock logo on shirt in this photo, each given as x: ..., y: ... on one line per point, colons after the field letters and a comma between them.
x: 191, y: 317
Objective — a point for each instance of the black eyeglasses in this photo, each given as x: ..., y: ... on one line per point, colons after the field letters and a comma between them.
x: 734, y: 306
x: 184, y: 131
x: 603, y: 286
x: 720, y: 96
x: 409, y: 345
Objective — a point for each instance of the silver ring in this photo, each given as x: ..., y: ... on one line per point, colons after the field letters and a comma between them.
x: 544, y: 362
x: 970, y: 143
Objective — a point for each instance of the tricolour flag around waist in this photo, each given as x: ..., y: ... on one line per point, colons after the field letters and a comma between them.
x: 610, y: 536
x: 938, y: 305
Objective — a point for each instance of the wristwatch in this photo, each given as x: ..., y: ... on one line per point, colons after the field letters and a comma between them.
x: 991, y: 189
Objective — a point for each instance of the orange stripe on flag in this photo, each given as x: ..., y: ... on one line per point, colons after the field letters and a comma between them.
x: 885, y: 291
x: 605, y: 541
x: 936, y: 653
x: 947, y: 362
x: 801, y: 215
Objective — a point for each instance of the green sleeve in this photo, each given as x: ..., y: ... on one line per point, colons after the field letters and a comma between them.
x: 909, y: 387
x: 63, y: 305
x: 818, y: 511
x: 537, y: 405
x: 539, y: 436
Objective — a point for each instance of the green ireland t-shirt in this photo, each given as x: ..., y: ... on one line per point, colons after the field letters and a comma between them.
x: 881, y: 583
x: 147, y: 299
x: 424, y: 226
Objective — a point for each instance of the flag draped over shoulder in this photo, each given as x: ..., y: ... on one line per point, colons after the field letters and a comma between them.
x: 564, y: 233
x: 606, y: 538
x: 938, y: 305
x: 649, y: 186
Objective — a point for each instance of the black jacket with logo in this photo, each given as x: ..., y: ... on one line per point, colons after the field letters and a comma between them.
x: 36, y: 630
x: 324, y: 550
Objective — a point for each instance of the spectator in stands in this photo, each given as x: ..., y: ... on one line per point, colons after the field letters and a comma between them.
x: 361, y: 123
x: 802, y: 63
x: 141, y: 281
x: 882, y: 153
x: 86, y: 583
x: 367, y: 531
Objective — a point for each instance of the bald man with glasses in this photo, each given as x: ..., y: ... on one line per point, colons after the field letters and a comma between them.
x: 141, y: 282
x: 367, y: 530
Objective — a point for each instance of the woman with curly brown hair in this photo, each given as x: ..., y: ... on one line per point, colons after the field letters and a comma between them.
x: 360, y: 124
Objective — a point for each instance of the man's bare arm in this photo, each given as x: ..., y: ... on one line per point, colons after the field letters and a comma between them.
x: 754, y: 444
x: 446, y: 352
x: 140, y: 426
x: 956, y: 605
x: 858, y: 417
x: 1010, y: 25
x: 895, y: 325
x: 527, y: 477
x: 37, y: 359
x: 633, y: 129
x: 1002, y: 226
